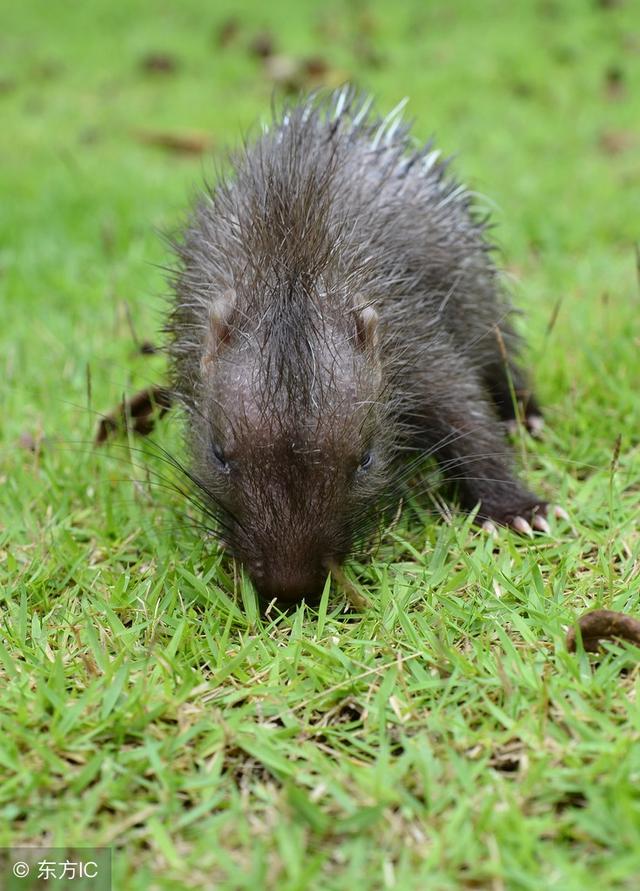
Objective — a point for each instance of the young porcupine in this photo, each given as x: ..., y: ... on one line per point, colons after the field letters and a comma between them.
x: 337, y: 307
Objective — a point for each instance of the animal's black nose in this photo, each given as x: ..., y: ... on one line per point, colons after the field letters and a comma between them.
x: 292, y: 585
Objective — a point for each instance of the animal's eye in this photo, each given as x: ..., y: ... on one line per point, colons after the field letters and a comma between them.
x: 219, y: 457
x: 366, y: 461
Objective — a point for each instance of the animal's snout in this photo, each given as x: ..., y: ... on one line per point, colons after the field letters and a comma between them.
x: 290, y: 584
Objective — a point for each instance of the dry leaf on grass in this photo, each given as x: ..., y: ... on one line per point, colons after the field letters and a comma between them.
x: 138, y: 413
x: 227, y: 31
x: 159, y: 63
x: 186, y: 143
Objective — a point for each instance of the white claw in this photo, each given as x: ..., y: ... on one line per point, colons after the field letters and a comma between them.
x: 520, y: 525
x: 490, y: 528
x: 560, y: 514
x: 535, y: 423
x: 512, y: 428
x: 541, y: 524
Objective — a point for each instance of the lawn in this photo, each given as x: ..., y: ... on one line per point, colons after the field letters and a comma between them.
x: 442, y: 737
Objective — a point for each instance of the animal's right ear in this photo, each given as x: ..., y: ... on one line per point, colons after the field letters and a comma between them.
x: 367, y: 329
x: 218, y: 330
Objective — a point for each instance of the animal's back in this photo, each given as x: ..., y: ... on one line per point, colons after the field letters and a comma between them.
x: 399, y: 230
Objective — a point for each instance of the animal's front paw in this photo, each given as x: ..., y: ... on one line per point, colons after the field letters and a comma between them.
x: 530, y: 519
x: 533, y: 424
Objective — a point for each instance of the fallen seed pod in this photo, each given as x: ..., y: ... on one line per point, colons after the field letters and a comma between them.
x: 603, y: 624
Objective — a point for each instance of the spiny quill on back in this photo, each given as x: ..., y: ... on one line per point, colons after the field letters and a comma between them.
x: 337, y: 307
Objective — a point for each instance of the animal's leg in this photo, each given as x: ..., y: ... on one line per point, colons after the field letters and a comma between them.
x: 462, y: 430
x: 514, y: 400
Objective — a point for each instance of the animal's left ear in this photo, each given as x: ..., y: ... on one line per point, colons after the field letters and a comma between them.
x: 218, y: 329
x: 367, y: 329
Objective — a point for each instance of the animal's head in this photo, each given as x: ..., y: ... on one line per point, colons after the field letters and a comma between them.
x: 289, y: 438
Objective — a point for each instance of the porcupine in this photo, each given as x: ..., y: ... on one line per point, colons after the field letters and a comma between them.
x: 337, y: 308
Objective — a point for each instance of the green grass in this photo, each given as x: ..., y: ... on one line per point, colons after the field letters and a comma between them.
x: 443, y: 738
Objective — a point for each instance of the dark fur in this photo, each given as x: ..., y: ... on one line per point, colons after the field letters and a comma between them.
x: 287, y: 372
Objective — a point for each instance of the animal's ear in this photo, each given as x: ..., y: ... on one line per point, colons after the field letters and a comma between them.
x: 218, y: 330
x: 367, y: 329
